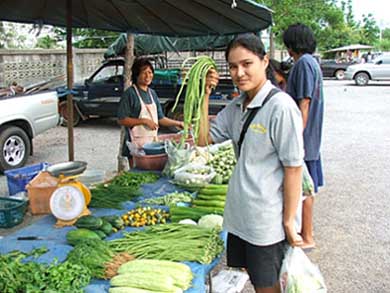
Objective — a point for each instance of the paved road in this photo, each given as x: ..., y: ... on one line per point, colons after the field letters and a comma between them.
x: 352, y: 218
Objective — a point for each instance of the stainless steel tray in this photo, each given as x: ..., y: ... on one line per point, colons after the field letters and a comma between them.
x: 67, y: 168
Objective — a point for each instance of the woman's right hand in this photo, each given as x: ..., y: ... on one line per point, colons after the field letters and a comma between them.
x: 212, y: 80
x: 150, y: 124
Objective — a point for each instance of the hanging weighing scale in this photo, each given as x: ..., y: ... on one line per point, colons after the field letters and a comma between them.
x: 70, y: 199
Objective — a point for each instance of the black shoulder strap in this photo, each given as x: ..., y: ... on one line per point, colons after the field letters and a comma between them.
x: 252, y: 114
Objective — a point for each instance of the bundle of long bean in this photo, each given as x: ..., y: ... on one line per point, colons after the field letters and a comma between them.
x: 174, y: 242
x: 195, y: 80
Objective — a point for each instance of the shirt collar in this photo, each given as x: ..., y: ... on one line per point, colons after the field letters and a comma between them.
x: 258, y: 99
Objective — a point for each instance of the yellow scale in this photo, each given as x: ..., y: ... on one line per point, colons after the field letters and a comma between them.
x: 70, y: 199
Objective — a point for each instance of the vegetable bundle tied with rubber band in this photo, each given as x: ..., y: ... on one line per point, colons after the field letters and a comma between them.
x: 195, y: 80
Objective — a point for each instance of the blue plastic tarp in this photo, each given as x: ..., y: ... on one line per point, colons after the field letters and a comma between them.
x: 55, y: 239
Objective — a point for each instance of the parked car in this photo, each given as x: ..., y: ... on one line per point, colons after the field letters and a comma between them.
x: 335, y: 68
x: 363, y: 73
x: 22, y: 117
x: 99, y: 95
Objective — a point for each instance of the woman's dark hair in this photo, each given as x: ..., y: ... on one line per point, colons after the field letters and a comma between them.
x: 300, y: 39
x: 138, y: 64
x: 250, y: 42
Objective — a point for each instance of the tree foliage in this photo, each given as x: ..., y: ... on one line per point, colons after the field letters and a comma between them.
x: 332, y: 21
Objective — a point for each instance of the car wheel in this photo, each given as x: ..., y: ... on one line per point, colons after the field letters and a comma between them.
x: 362, y: 78
x: 63, y: 109
x: 15, y: 147
x: 339, y: 74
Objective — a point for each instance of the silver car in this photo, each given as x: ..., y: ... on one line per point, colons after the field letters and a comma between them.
x: 379, y: 69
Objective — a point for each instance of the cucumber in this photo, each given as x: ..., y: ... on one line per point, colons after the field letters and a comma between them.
x: 89, y: 222
x: 101, y: 234
x: 208, y: 203
x: 75, y: 236
x: 106, y: 227
x: 115, y: 221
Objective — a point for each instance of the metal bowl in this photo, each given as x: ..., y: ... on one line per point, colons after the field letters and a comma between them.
x: 67, y: 168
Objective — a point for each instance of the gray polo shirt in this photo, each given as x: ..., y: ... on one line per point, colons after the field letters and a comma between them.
x: 254, y: 204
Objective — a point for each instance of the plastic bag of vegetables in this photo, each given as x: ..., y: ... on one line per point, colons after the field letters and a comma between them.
x: 178, y: 156
x: 194, y: 174
x: 307, y: 182
x: 299, y: 275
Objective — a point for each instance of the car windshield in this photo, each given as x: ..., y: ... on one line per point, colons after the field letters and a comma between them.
x: 108, y: 72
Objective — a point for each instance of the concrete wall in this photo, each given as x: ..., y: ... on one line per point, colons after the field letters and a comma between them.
x: 32, y: 66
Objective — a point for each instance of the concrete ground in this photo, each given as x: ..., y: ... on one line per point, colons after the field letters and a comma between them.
x: 352, y: 219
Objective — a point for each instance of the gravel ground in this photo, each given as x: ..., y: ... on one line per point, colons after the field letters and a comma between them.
x: 352, y: 222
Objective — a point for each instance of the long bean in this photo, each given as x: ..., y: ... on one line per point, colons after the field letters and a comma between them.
x: 174, y: 242
x: 195, y: 79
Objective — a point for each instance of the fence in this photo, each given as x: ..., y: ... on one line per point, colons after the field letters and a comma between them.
x: 27, y: 67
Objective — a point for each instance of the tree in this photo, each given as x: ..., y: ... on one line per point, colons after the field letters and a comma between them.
x: 88, y: 38
x: 46, y: 42
x: 323, y: 16
x: 9, y: 36
x: 369, y: 31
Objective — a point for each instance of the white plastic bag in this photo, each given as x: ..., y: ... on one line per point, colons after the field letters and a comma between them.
x: 229, y: 281
x: 299, y: 275
x: 194, y: 174
x: 177, y: 157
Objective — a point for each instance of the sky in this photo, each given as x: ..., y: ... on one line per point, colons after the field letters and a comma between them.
x: 378, y: 8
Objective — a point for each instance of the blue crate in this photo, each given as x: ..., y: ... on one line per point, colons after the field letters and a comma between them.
x: 17, y: 179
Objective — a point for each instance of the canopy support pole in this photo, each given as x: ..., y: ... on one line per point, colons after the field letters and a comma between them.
x: 129, y: 58
x: 69, y: 72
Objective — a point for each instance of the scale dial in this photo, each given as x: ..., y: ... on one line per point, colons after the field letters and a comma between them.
x: 67, y: 202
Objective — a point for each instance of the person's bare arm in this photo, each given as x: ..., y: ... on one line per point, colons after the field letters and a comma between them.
x: 131, y: 122
x: 204, y: 127
x: 304, y: 105
x: 292, y: 190
x: 167, y: 122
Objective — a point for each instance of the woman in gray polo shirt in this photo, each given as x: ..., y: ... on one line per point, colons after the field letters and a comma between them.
x: 265, y: 188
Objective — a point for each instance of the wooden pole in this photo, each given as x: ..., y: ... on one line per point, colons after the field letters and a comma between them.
x: 129, y: 58
x: 69, y: 71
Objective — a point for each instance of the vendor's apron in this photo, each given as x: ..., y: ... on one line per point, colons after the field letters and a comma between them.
x: 141, y: 134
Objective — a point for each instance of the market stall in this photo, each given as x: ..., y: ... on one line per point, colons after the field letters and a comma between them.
x: 43, y: 233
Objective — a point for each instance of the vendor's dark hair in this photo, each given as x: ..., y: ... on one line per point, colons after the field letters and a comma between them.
x: 250, y: 42
x: 300, y: 38
x: 137, y: 66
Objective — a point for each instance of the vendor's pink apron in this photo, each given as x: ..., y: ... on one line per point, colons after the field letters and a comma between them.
x: 141, y: 134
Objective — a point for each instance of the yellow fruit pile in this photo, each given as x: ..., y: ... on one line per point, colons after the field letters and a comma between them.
x: 145, y: 216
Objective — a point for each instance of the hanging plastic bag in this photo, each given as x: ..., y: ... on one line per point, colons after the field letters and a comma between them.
x: 307, y: 182
x: 134, y: 149
x: 178, y: 156
x: 299, y: 275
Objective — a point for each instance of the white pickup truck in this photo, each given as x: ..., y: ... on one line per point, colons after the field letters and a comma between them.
x: 22, y: 117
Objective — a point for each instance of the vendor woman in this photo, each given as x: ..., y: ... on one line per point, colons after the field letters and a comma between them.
x: 139, y: 108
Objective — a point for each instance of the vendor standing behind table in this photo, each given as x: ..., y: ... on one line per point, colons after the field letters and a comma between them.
x: 305, y: 86
x: 140, y: 110
x: 266, y: 185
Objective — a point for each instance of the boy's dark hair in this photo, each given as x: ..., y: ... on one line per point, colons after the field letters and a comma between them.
x: 137, y: 66
x: 300, y: 39
x: 250, y: 42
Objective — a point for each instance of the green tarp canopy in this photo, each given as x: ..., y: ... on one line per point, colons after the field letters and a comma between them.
x: 147, y: 44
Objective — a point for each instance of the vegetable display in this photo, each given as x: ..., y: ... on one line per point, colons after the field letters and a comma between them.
x: 170, y: 198
x: 223, y: 162
x: 134, y: 179
x: 98, y: 258
x: 153, y: 276
x: 145, y: 216
x: 174, y: 242
x: 19, y: 276
x: 195, y: 80
x: 112, y: 196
